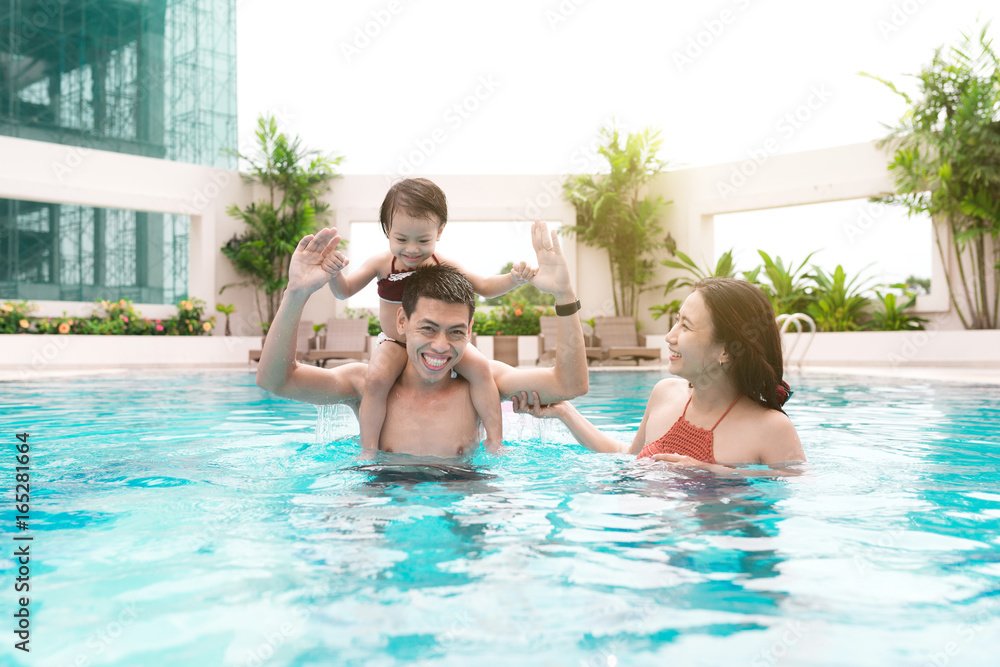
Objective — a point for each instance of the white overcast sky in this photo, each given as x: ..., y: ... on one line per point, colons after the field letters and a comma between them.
x: 534, y: 80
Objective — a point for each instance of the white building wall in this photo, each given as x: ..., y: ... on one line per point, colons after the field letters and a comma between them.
x: 66, y: 174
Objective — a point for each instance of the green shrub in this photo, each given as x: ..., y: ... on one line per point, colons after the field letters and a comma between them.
x: 512, y: 319
x: 14, y: 317
x: 890, y: 316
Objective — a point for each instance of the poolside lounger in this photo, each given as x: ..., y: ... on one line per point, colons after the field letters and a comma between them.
x: 301, y: 343
x: 619, y: 340
x: 346, y: 339
x: 547, y: 342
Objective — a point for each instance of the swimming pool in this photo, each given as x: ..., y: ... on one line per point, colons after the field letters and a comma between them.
x: 194, y: 519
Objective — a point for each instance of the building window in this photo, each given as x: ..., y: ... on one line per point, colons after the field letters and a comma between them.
x: 61, y: 252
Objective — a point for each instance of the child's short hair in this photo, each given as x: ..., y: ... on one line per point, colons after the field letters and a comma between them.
x: 441, y: 282
x: 418, y: 197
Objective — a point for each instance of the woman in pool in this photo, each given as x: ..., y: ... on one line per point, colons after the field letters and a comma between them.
x: 724, y: 406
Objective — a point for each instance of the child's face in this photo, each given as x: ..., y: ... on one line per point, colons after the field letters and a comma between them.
x: 412, y: 240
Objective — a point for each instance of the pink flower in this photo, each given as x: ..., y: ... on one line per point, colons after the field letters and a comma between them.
x: 159, y: 327
x: 125, y: 318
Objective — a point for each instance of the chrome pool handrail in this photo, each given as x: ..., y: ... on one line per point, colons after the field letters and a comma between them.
x: 798, y: 319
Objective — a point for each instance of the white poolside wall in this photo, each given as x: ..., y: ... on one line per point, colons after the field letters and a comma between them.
x: 66, y: 174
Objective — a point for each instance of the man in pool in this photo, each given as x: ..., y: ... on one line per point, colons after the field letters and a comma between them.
x: 429, y: 410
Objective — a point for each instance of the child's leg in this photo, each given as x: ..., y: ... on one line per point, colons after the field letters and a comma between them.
x: 387, y: 361
x: 475, y: 368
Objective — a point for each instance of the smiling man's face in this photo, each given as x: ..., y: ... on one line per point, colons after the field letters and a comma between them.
x: 436, y: 336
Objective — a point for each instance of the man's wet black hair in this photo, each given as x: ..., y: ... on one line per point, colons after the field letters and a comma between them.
x: 441, y: 282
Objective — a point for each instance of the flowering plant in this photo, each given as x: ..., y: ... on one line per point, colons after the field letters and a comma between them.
x: 108, y: 318
x: 14, y: 317
x: 510, y: 319
x: 188, y: 321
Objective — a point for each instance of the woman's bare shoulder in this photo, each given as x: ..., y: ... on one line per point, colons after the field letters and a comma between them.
x: 669, y: 391
x: 776, y: 438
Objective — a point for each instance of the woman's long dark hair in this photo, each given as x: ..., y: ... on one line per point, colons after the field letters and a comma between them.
x: 743, y: 320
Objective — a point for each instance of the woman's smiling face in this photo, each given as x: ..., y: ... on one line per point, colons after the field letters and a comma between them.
x: 691, y: 342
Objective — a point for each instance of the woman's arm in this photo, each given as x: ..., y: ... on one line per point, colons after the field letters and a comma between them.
x: 585, y: 433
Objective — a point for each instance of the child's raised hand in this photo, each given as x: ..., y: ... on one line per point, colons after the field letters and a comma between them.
x: 335, y: 261
x: 308, y: 269
x: 522, y: 273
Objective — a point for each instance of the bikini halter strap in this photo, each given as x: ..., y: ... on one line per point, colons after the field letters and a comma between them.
x: 735, y: 400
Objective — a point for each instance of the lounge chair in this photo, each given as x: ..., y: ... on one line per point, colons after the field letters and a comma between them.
x: 619, y: 340
x: 346, y: 339
x: 547, y: 342
x: 301, y: 343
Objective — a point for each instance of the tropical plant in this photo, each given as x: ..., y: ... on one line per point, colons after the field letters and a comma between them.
x: 787, y: 288
x: 226, y: 309
x: 839, y: 304
x: 612, y: 215
x: 724, y: 268
x: 889, y: 315
x: 947, y: 165
x: 295, y: 180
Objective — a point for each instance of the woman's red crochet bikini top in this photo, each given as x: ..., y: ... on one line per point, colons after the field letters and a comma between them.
x: 687, y: 439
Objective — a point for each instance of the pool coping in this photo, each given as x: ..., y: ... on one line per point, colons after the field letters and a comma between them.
x: 936, y: 373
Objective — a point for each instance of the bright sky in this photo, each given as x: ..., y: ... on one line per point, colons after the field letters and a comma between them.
x: 548, y: 74
x: 521, y: 87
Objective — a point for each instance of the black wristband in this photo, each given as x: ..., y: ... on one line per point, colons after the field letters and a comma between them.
x: 568, y: 308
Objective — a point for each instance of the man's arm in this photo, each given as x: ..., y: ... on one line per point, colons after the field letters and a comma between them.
x: 569, y: 378
x: 278, y: 372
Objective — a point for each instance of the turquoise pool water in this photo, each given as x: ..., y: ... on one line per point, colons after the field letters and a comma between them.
x: 196, y: 520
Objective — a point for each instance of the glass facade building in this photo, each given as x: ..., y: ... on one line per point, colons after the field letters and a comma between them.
x: 155, y: 78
